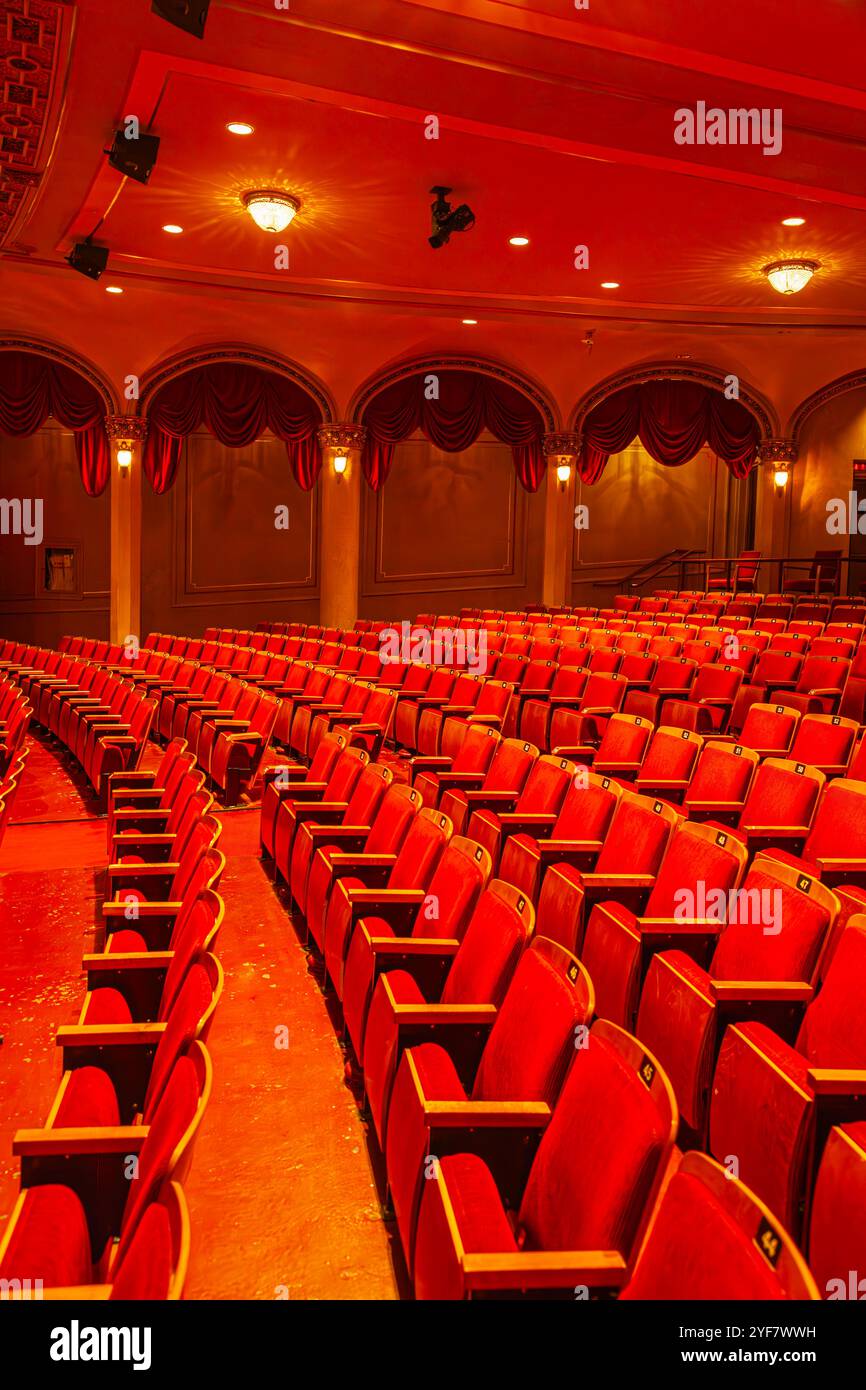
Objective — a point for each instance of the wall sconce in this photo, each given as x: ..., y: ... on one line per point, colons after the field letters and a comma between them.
x: 124, y: 457
x: 563, y: 474
x: 781, y: 476
x: 341, y: 463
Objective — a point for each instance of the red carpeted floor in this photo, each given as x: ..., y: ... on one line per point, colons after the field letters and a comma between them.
x: 282, y: 1196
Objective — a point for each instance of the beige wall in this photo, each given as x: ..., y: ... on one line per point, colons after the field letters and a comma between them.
x: 832, y: 438
x: 44, y: 465
x: 639, y: 509
x: 210, y: 550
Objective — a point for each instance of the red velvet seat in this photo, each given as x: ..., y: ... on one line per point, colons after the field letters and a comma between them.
x: 337, y: 787
x: 432, y: 775
x: 65, y: 1237
x: 404, y: 1008
x: 674, y: 677
x: 763, y: 967
x: 825, y: 741
x: 803, y: 1089
x: 544, y: 1016
x: 837, y: 1226
x: 576, y: 834
x: 340, y: 826
x: 500, y: 786
x: 669, y: 762
x: 819, y: 686
x: 720, y: 783
x: 710, y: 701
x: 712, y: 1239
x: 539, y: 710
x: 580, y: 1210
x: 409, y: 709
x: 542, y: 794
x: 363, y: 879
x: 417, y: 928
x: 835, y: 848
x: 780, y: 805
x: 278, y: 780
x: 148, y: 790
x: 238, y: 752
x: 619, y: 944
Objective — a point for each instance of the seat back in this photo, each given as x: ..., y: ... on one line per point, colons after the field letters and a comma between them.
x: 700, y: 860
x: 532, y: 1042
x: 156, y: 1254
x: 833, y: 1031
x: 602, y: 1157
x: 638, y: 835
x: 770, y: 729
x: 713, y: 1239
x: 477, y: 749
x: 671, y: 756
x: 496, y: 934
x: 188, y: 1017
x: 367, y: 794
x: 723, y: 773
x: 461, y: 876
x: 510, y: 765
x: 776, y: 925
x: 837, y: 1230
x: 783, y: 793
x: 826, y: 741
x: 425, y: 840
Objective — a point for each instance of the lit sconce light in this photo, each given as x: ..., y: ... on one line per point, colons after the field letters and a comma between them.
x: 563, y: 474
x: 781, y: 476
x: 124, y: 457
x: 341, y: 463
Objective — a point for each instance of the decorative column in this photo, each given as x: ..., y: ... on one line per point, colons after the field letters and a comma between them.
x: 340, y: 543
x: 126, y: 434
x: 562, y: 451
x: 773, y: 504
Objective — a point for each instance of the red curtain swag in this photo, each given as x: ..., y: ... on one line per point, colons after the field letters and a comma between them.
x: 468, y: 403
x: 237, y: 403
x: 33, y: 387
x: 673, y: 420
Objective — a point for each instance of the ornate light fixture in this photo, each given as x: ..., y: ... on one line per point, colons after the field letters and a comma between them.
x: 270, y: 209
x: 341, y: 463
x: 563, y: 473
x: 790, y: 277
x: 124, y: 456
x: 781, y: 476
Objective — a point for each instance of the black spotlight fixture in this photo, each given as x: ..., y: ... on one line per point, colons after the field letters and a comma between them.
x: 88, y: 259
x: 134, y: 157
x: 189, y: 15
x: 447, y: 220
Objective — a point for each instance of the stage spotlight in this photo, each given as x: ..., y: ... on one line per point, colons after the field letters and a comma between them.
x: 448, y: 219
x: 134, y: 158
x: 189, y: 15
x: 88, y: 259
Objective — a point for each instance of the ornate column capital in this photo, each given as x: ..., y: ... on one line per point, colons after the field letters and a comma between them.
x: 131, y: 429
x: 777, y: 451
x: 561, y: 443
x: 342, y: 436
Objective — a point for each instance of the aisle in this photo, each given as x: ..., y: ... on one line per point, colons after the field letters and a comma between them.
x: 281, y: 1191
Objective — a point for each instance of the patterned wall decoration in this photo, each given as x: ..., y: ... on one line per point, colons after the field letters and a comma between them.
x: 34, y: 42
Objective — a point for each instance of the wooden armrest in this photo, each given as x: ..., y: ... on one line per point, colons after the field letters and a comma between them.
x: 108, y: 1139
x: 545, y: 1270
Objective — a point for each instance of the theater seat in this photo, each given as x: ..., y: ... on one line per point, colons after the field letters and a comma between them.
x: 404, y: 1009
x: 580, y: 1210
x: 435, y: 1103
x: 802, y: 1089
x: 764, y: 967
x: 837, y: 1226
x: 712, y: 1239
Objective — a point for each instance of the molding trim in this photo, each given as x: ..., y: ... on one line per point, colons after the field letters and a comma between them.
x: 342, y: 436
x: 126, y: 427
x: 561, y: 443
x: 41, y: 348
x: 485, y: 366
x: 777, y: 451
x: 185, y: 362
x: 700, y: 372
x: 852, y: 381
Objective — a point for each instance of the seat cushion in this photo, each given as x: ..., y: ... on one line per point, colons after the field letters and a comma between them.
x: 89, y: 1099
x: 50, y: 1240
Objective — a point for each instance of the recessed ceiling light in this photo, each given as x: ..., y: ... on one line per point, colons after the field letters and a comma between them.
x: 469, y: 321
x: 518, y: 241
x: 793, y: 221
x: 240, y: 128
x: 610, y: 284
x: 271, y: 209
x: 113, y: 289
x: 173, y: 228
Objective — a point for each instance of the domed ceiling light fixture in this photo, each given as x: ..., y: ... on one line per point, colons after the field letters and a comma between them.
x: 270, y: 209
x: 790, y: 277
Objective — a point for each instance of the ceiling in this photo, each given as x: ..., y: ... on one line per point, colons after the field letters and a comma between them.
x: 554, y: 123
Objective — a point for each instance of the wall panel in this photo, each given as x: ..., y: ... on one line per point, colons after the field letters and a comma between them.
x: 44, y: 465
x: 211, y: 552
x: 450, y: 531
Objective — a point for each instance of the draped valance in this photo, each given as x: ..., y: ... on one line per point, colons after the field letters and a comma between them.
x: 33, y: 387
x: 673, y: 420
x: 463, y: 404
x: 237, y: 402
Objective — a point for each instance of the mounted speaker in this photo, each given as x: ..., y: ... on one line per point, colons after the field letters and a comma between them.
x: 189, y: 15
x: 88, y: 260
x: 134, y: 158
